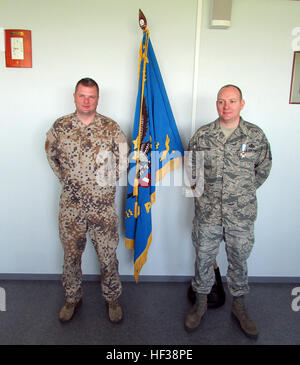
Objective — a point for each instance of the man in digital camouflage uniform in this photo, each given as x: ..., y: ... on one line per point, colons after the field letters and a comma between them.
x: 88, y: 152
x: 237, y: 161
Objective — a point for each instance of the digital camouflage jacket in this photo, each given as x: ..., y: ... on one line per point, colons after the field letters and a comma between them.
x: 233, y: 170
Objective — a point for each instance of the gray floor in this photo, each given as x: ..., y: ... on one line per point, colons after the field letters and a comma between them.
x: 153, y: 315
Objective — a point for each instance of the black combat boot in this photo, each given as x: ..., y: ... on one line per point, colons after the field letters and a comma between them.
x: 240, y: 312
x: 193, y: 318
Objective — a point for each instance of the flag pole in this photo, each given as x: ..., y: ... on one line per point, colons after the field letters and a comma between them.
x: 143, y: 25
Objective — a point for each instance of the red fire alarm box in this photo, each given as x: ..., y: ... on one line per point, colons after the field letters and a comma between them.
x: 18, y: 51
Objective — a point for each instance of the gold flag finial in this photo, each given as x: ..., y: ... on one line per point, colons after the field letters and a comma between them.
x: 142, y: 20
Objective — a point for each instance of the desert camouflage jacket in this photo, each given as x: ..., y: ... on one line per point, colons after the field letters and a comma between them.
x: 94, y: 155
x: 233, y: 170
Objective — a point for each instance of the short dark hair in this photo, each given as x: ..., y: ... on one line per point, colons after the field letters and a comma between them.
x: 88, y: 83
x: 230, y: 85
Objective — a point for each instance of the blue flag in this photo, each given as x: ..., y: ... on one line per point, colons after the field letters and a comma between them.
x: 156, y: 149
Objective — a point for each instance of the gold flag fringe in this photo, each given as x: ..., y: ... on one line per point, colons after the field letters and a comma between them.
x: 141, y: 260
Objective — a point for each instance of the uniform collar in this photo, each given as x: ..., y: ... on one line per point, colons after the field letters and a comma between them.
x: 79, y: 124
x: 216, y: 130
x: 242, y: 126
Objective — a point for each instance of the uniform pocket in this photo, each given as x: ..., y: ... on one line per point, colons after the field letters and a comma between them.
x: 247, y: 170
x: 210, y: 162
x: 247, y: 207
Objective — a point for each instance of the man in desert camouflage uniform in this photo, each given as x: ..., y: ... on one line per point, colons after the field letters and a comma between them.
x: 88, y: 152
x: 237, y: 160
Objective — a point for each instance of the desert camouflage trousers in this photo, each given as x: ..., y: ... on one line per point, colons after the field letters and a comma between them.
x: 101, y: 222
x: 238, y: 245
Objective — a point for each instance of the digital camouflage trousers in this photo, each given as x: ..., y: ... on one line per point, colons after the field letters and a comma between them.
x: 238, y: 245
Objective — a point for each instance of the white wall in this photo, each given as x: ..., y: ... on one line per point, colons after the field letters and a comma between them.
x: 100, y: 39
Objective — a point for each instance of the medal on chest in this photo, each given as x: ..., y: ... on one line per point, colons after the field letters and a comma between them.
x: 243, y: 150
